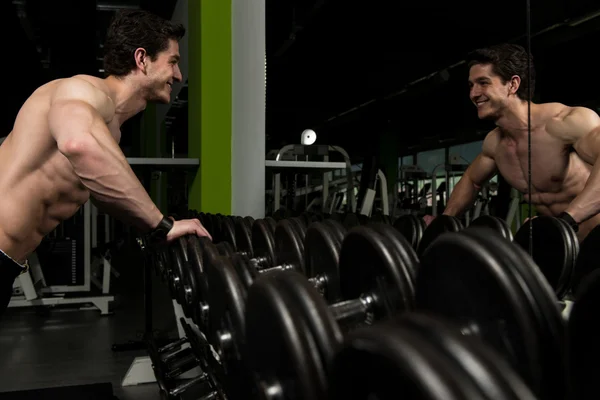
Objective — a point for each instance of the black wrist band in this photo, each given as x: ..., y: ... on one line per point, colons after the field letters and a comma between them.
x: 567, y: 217
x: 162, y: 229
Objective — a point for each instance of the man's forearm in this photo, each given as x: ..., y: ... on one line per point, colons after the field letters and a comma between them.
x: 114, y: 186
x: 84, y: 139
x: 587, y: 203
x: 461, y: 199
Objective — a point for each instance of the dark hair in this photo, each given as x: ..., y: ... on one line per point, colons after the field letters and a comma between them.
x: 131, y: 29
x: 507, y: 60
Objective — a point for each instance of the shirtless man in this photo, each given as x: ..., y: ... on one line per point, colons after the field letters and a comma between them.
x: 565, y: 143
x: 64, y: 146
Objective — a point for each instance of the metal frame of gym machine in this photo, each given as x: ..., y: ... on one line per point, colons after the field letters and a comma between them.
x: 325, y: 167
x: 36, y: 293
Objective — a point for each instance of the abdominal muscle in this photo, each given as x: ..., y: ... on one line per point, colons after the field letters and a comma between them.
x: 552, y: 196
x: 34, y: 204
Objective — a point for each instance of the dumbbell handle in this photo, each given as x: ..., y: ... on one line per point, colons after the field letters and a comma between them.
x: 354, y: 310
x: 181, y: 365
x: 172, y: 345
x: 319, y: 281
x: 185, y: 386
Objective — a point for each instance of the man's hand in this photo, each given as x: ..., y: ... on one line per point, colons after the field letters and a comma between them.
x: 428, y: 219
x: 187, y: 227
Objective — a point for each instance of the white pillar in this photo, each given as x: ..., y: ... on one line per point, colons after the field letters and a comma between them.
x: 248, y: 108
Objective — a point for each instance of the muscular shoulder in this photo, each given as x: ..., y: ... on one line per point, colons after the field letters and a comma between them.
x: 570, y: 123
x: 85, y: 89
x: 490, y: 143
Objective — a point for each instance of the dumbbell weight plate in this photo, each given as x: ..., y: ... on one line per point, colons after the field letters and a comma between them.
x: 398, y: 360
x: 249, y: 221
x: 410, y: 227
x: 289, y: 246
x: 228, y: 229
x: 441, y: 224
x: 403, y: 250
x: 322, y: 249
x: 245, y: 270
x: 300, y: 226
x: 554, y: 255
x: 496, y: 378
x: 226, y: 298
x: 489, y: 286
x: 196, y: 261
x: 263, y: 242
x: 271, y: 223
x: 587, y: 259
x: 493, y: 223
x: 337, y: 228
x: 225, y: 248
x: 195, y: 255
x: 178, y: 267
x: 573, y: 244
x: 307, y: 305
x: 243, y: 237
x: 583, y: 345
x: 549, y: 321
x: 367, y: 266
x: 279, y: 346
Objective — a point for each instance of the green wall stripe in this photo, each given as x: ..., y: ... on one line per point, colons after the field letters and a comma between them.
x: 209, y: 103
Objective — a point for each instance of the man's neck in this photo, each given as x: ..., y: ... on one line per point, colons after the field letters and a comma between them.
x: 127, y: 96
x: 515, y: 121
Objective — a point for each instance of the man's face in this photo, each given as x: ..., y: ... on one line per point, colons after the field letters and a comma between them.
x: 162, y: 72
x: 487, y: 91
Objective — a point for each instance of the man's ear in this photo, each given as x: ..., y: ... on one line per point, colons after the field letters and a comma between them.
x: 515, y: 84
x: 141, y: 58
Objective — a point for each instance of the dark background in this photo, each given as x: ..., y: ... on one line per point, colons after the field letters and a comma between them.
x: 350, y: 70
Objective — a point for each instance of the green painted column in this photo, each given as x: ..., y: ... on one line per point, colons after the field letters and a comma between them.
x: 209, y: 104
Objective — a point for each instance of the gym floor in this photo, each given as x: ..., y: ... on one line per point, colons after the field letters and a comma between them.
x: 66, y: 346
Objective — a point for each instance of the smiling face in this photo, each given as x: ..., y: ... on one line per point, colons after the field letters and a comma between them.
x: 489, y: 93
x: 160, y: 74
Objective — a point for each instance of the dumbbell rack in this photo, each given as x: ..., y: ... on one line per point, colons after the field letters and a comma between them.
x: 140, y: 371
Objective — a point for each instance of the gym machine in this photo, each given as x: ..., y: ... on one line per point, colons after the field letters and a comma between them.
x: 78, y: 264
x: 298, y: 166
x: 449, y: 169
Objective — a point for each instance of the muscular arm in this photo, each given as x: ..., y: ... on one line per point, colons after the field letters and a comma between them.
x: 580, y: 127
x: 477, y: 174
x: 77, y: 120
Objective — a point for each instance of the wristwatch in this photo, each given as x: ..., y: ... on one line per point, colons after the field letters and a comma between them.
x: 162, y: 229
x: 570, y: 220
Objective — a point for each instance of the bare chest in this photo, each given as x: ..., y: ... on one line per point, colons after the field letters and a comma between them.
x: 550, y: 162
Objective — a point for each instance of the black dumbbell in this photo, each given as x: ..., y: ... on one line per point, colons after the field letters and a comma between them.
x: 285, y: 249
x: 422, y: 358
x: 557, y: 248
x: 289, y: 324
x: 376, y: 274
x: 494, y: 290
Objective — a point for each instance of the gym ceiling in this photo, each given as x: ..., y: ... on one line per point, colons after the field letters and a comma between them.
x: 349, y: 69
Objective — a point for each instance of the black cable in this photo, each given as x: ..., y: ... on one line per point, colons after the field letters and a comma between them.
x: 528, y: 36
